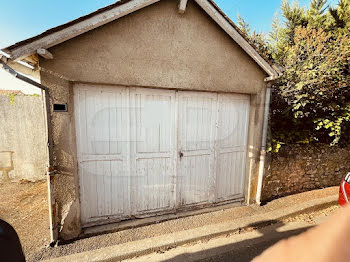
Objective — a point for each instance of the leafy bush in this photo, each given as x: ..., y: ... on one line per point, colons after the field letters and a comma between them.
x: 311, y: 100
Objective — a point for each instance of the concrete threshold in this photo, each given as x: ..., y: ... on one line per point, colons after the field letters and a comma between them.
x: 164, y: 242
x: 127, y: 224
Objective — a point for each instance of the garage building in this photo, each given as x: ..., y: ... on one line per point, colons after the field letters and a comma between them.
x: 156, y: 107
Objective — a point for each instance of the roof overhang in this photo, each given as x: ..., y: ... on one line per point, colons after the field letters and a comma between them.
x: 28, y: 49
x: 20, y: 66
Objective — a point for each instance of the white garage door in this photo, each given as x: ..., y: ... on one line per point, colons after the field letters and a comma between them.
x: 231, y: 146
x: 152, y: 150
x: 145, y: 151
x: 196, y: 143
x: 102, y: 132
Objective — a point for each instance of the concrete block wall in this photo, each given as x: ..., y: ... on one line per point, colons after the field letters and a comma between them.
x: 23, y: 138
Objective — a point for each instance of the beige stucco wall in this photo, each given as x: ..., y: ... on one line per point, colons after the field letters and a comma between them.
x: 66, y: 185
x: 23, y: 151
x: 158, y: 47
x: 154, y: 47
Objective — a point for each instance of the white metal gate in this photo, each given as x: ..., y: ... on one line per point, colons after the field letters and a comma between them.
x: 143, y: 151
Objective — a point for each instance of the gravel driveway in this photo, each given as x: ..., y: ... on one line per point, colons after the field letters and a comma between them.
x: 24, y: 205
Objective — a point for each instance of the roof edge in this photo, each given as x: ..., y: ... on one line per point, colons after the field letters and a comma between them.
x: 276, y: 68
x: 121, y: 8
x: 81, y: 25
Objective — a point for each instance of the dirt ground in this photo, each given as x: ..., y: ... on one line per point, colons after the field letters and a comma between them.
x: 313, y: 217
x: 24, y: 206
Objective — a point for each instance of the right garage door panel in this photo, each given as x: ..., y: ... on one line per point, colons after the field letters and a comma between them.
x: 231, y: 149
x: 212, y: 147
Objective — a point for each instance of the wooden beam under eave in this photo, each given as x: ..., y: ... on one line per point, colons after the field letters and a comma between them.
x: 32, y: 59
x: 182, y: 6
x: 24, y: 70
x: 44, y: 53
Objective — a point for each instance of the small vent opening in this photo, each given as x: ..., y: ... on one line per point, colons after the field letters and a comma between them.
x: 60, y: 107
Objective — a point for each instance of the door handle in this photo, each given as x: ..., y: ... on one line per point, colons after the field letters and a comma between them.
x: 181, y: 154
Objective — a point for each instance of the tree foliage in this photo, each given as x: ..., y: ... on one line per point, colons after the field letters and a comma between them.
x: 255, y: 38
x: 311, y: 100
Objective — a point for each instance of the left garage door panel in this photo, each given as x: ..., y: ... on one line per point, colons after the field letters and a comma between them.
x: 152, y: 150
x: 102, y: 117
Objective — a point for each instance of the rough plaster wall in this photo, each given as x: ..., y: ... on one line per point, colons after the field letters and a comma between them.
x: 299, y: 168
x: 66, y: 180
x: 254, y: 143
x: 23, y: 138
x: 154, y: 47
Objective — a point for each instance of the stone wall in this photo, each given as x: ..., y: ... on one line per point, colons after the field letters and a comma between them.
x: 299, y: 168
x: 23, y: 150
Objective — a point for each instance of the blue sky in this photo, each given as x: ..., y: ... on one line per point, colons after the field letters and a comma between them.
x: 21, y: 19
